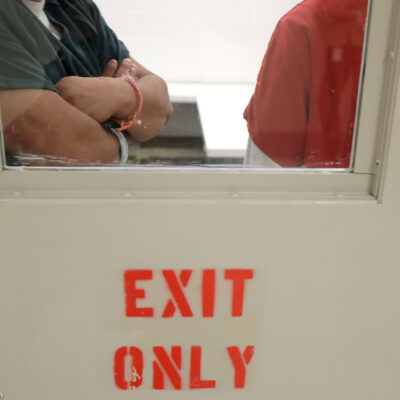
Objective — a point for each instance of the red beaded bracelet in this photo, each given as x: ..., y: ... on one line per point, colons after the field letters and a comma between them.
x: 132, y: 119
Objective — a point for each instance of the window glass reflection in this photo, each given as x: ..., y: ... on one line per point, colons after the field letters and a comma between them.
x: 72, y: 93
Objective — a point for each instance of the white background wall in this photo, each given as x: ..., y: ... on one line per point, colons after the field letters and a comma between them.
x: 197, y: 41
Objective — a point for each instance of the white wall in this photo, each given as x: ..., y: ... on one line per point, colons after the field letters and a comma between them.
x: 197, y: 41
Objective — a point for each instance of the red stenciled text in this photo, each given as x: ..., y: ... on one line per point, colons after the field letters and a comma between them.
x: 186, y: 294
x: 167, y: 365
x: 177, y: 283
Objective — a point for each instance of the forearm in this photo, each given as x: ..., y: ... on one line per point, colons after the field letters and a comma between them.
x: 55, y: 131
x: 109, y: 97
x: 75, y: 148
x: 104, y: 98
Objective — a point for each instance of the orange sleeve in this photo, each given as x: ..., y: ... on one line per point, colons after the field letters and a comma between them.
x: 278, y: 111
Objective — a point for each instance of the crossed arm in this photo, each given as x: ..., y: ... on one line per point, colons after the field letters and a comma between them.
x: 68, y: 129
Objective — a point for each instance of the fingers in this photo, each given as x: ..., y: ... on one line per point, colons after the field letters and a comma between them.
x: 126, y: 67
x: 110, y: 69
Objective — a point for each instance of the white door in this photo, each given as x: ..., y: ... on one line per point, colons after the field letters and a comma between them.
x: 218, y: 283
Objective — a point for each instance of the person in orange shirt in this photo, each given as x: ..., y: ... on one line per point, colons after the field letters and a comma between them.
x: 303, y: 110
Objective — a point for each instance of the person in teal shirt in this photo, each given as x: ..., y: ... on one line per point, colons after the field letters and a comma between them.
x: 60, y: 86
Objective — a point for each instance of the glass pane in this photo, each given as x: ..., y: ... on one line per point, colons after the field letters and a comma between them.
x: 251, y: 84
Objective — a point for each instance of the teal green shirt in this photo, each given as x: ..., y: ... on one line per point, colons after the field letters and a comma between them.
x: 31, y: 57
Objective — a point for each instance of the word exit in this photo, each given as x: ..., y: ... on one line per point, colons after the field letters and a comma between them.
x: 231, y: 282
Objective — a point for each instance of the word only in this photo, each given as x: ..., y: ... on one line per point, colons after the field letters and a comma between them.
x: 129, y: 375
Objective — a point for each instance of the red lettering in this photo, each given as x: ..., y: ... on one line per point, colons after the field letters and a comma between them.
x: 169, y: 366
x: 135, y: 371
x: 132, y: 293
x: 175, y: 286
x: 238, y: 278
x: 239, y: 362
x: 208, y: 293
x: 195, y: 371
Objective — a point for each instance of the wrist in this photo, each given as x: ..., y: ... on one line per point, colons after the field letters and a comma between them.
x: 127, y: 101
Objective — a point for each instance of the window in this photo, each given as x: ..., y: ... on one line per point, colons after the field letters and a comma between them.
x: 207, y: 76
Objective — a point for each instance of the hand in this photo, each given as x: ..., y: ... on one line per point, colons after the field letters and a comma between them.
x: 127, y: 66
x: 96, y: 97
